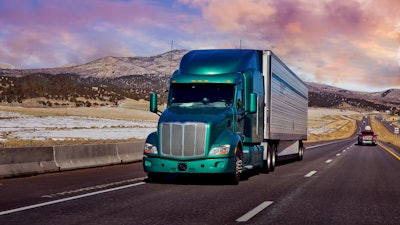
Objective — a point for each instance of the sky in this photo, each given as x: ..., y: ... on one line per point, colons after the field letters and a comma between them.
x: 351, y: 44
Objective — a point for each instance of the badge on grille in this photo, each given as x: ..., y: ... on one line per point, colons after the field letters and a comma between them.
x: 182, y: 166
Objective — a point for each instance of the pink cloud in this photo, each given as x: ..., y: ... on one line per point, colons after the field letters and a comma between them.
x: 335, y: 41
x: 60, y: 32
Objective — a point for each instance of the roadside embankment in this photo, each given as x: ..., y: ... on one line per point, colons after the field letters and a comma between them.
x: 26, y: 161
x: 383, y: 133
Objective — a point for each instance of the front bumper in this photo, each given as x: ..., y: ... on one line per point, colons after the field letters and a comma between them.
x: 368, y: 142
x: 162, y: 165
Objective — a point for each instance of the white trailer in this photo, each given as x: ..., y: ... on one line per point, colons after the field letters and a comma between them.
x: 285, y: 111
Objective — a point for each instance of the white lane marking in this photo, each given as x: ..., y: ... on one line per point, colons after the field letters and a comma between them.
x: 338, y: 154
x: 321, y: 145
x: 310, y: 174
x: 254, y: 211
x: 91, y: 188
x: 68, y: 199
x: 329, y: 160
x: 344, y: 150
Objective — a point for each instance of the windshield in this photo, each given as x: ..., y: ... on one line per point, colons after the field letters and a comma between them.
x: 201, y: 95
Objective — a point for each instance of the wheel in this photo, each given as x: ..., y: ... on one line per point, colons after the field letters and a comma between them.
x: 269, y: 163
x: 235, y: 177
x: 301, y: 152
x: 273, y: 157
x: 266, y: 164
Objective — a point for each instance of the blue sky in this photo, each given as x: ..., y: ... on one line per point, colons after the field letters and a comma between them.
x: 353, y: 44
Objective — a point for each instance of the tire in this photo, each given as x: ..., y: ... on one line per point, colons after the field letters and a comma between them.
x: 235, y: 177
x: 269, y: 163
x: 273, y: 157
x: 301, y: 152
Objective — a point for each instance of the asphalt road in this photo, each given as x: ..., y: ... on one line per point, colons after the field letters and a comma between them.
x: 337, y: 183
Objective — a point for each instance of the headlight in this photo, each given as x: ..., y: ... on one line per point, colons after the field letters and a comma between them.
x: 150, y: 149
x: 220, y: 150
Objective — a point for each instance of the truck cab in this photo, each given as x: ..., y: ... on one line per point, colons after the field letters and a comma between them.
x: 228, y: 110
x: 209, y: 117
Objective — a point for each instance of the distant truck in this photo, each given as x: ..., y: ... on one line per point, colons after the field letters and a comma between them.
x: 228, y: 110
x: 367, y: 137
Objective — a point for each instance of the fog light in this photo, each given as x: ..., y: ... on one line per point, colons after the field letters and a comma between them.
x: 220, y: 165
x: 148, y: 163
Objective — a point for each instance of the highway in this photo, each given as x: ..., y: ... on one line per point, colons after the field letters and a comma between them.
x: 336, y: 183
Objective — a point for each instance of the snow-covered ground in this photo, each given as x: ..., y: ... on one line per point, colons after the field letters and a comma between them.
x: 15, y: 125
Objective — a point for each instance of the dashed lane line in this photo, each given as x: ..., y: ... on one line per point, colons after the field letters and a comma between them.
x: 246, y: 217
x: 91, y: 188
x: 310, y: 174
x: 68, y: 199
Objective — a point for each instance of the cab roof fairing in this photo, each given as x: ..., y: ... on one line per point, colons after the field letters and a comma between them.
x: 219, y: 61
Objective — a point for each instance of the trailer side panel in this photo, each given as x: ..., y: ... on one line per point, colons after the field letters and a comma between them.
x: 286, y: 98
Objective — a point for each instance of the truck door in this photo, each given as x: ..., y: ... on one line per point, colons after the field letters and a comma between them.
x: 240, y: 113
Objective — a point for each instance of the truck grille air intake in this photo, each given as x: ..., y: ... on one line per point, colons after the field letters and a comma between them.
x: 183, y: 139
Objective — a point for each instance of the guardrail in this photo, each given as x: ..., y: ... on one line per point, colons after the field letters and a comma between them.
x: 28, y: 161
x: 389, y: 126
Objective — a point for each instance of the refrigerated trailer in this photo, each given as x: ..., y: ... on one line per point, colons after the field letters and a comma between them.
x: 228, y: 111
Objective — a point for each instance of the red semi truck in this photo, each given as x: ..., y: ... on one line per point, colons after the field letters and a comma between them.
x: 367, y: 137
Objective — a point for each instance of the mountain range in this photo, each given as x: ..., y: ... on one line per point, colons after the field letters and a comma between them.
x: 108, y: 80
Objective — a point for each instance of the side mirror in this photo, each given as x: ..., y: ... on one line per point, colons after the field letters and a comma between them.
x: 153, y: 103
x: 253, y: 103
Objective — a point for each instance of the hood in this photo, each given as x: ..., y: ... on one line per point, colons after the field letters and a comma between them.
x: 210, y: 116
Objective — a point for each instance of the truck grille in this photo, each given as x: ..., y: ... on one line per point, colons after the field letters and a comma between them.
x: 183, y: 139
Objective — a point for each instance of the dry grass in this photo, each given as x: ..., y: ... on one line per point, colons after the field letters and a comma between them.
x: 331, y: 124
x: 128, y: 110
x: 338, y: 128
x: 14, y: 143
x: 383, y: 133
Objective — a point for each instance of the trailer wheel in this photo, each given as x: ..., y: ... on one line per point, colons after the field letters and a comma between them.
x: 273, y: 157
x: 301, y: 152
x: 235, y: 177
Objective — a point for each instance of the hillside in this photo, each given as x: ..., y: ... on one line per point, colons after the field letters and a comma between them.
x: 109, y: 80
x: 111, y: 67
x: 321, y: 95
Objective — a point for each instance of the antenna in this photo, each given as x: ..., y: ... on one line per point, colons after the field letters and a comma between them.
x: 170, y: 58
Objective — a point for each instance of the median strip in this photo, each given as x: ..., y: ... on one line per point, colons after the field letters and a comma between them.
x: 254, y: 211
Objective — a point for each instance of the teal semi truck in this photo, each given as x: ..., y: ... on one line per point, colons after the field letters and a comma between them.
x: 228, y: 111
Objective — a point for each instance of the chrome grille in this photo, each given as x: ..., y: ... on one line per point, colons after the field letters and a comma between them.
x: 183, y: 139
